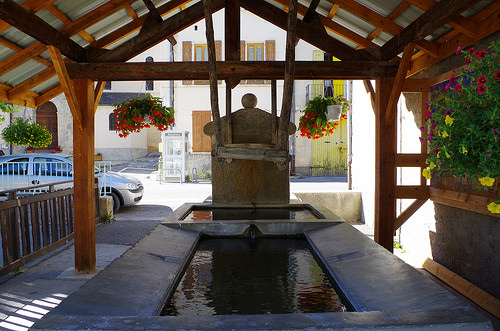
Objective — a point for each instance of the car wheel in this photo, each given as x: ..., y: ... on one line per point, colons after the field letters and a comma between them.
x: 116, y: 202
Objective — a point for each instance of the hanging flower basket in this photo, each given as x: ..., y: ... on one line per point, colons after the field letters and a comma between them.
x: 463, y: 121
x: 23, y: 133
x: 142, y: 112
x: 322, y: 116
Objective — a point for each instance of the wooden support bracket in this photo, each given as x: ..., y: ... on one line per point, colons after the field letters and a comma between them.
x: 369, y: 89
x: 404, y: 65
x: 98, y: 94
x: 66, y: 84
x: 408, y: 212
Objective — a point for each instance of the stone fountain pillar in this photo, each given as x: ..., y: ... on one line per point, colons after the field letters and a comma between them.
x: 249, y: 181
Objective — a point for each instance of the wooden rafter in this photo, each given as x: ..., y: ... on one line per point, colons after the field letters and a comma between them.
x: 408, y: 212
x: 395, y: 13
x: 311, y: 11
x: 63, y: 18
x: 231, y: 69
x: 333, y: 11
x: 162, y: 30
x: 30, y: 5
x: 66, y: 84
x: 131, y: 12
x: 18, y: 49
x: 37, y: 28
x: 488, y: 22
x: 21, y: 57
x: 381, y: 22
x: 335, y: 27
x: 308, y: 33
x: 428, y: 22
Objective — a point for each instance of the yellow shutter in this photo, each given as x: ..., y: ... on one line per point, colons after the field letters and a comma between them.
x: 187, y: 55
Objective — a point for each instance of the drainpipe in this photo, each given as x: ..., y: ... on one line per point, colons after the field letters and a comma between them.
x: 349, y: 144
x: 172, y: 82
x: 11, y: 117
x: 292, y: 119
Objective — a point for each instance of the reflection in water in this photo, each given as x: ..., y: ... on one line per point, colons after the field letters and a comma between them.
x: 276, y: 275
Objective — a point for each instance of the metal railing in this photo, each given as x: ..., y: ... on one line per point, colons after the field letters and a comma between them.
x: 327, y: 88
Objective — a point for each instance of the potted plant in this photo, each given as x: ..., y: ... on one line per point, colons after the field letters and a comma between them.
x: 23, y: 133
x: 463, y: 121
x: 322, y: 115
x: 56, y: 149
x: 29, y: 149
x: 142, y: 112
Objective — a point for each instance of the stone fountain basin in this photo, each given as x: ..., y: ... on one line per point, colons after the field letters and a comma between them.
x: 384, y: 291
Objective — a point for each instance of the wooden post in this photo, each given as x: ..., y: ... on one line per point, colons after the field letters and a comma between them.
x: 286, y: 104
x: 229, y: 129
x: 385, y: 170
x: 274, y: 110
x: 232, y: 35
x: 83, y: 169
x: 212, y: 71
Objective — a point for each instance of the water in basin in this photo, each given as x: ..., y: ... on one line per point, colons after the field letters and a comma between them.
x: 209, y: 213
x: 261, y: 276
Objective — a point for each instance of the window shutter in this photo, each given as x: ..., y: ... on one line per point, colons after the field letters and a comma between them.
x: 242, y: 56
x: 201, y: 142
x: 187, y: 55
x: 270, y: 53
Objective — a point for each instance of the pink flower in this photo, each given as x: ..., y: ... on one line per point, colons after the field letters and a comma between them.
x: 447, y: 87
x: 447, y: 112
x: 453, y: 79
x: 495, y: 132
x: 459, y: 49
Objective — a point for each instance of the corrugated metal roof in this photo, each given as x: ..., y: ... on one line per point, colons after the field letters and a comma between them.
x: 363, y: 18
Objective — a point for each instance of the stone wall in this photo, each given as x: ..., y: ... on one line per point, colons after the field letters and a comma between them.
x: 468, y: 243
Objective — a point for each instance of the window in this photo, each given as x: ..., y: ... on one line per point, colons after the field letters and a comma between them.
x: 17, y: 166
x: 44, y: 166
x: 150, y: 85
x: 107, y: 85
x: 255, y: 52
x: 200, y: 53
x: 201, y: 142
x: 112, y: 122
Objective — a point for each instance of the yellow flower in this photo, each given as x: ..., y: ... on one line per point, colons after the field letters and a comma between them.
x: 494, y: 208
x: 463, y: 150
x: 426, y: 173
x: 432, y: 165
x: 444, y: 134
x: 449, y: 120
x: 447, y: 155
x: 486, y: 181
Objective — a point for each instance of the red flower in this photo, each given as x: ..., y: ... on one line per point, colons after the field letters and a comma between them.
x: 453, y: 79
x: 480, y: 54
x: 468, y: 60
x: 436, y: 150
x: 458, y: 87
x: 471, y: 50
x: 482, y: 80
x: 497, y: 75
x: 481, y: 89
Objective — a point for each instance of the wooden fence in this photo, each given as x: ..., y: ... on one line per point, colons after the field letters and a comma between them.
x: 33, y: 225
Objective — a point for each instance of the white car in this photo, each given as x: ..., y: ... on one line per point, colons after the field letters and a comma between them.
x: 24, y: 170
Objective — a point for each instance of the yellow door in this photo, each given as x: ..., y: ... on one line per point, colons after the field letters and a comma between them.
x: 329, y: 154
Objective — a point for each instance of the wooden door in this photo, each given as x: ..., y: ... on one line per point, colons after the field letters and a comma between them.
x: 46, y: 116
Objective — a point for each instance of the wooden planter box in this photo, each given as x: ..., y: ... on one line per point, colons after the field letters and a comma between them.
x: 97, y: 157
x: 463, y: 193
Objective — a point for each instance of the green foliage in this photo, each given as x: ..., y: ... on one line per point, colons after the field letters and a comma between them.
x: 463, y: 120
x: 23, y: 133
x: 314, y: 123
x: 135, y: 114
x: 108, y: 218
x: 6, y: 108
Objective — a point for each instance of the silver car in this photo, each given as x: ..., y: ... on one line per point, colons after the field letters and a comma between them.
x: 24, y: 170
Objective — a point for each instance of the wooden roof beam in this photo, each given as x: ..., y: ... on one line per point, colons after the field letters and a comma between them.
x: 311, y: 11
x: 428, y: 22
x: 30, y: 5
x: 305, y: 31
x: 488, y: 22
x: 21, y: 57
x: 333, y: 11
x: 37, y: 28
x: 335, y: 27
x: 136, y: 24
x: 136, y: 71
x: 395, y: 13
x: 380, y: 21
